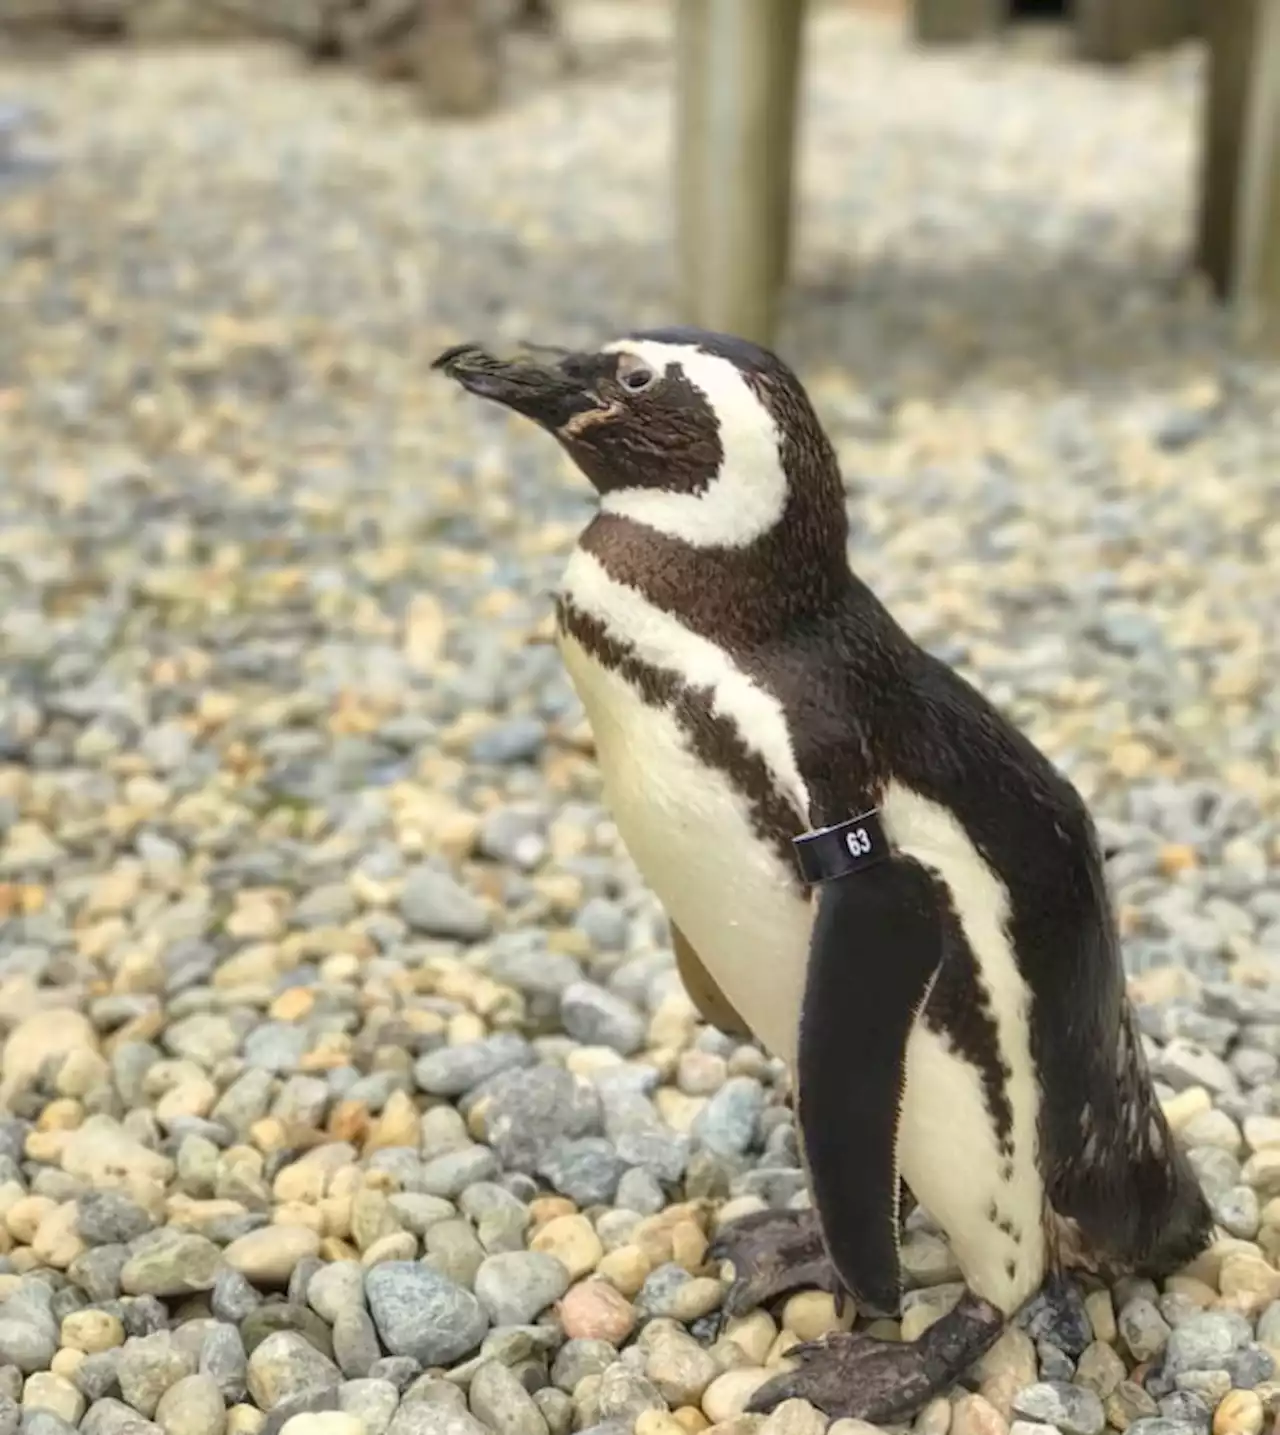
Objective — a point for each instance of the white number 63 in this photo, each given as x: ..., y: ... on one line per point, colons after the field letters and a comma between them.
x: 857, y: 842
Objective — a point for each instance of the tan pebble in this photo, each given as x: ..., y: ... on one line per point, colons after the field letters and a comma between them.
x: 794, y: 1417
x: 658, y: 1422
x: 36, y: 1039
x: 63, y: 1114
x: 9, y: 1285
x: 783, y: 1342
x: 678, y: 1110
x: 573, y: 1242
x: 1262, y: 1171
x: 47, y: 1148
x: 57, y: 1242
x: 546, y: 1208
x: 1191, y: 1289
x: 753, y: 1334
x: 674, y: 1022
x: 323, y: 1422
x: 921, y: 1314
x: 465, y: 1027
x: 92, y: 1331
x: 690, y: 1419
x: 334, y: 1249
x: 47, y: 1391
x: 595, y: 1310
x: 1261, y: 1132
x: 727, y: 1395
x: 336, y: 1213
x: 935, y: 1418
x: 302, y: 1181
x: 23, y: 1218
x: 398, y: 1246
x: 1102, y: 1315
x: 626, y: 1268
x: 853, y: 1427
x: 1249, y: 1281
x: 269, y: 1255
x: 299, y: 1213
x: 1182, y: 1107
x: 1241, y: 1412
x: 732, y: 1210
x: 66, y: 1362
x: 696, y: 1298
x: 974, y: 1415
x: 1176, y: 857
x: 81, y: 1072
x: 295, y: 1004
x: 730, y: 1356
x: 810, y: 1314
x: 396, y: 1126
x: 688, y: 1245
x: 738, y: 1425
x: 349, y: 1121
x: 245, y: 1420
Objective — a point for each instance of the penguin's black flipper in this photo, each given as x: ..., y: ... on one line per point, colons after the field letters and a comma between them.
x: 879, y: 939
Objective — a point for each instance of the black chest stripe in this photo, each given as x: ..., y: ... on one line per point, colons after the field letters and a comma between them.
x: 714, y: 739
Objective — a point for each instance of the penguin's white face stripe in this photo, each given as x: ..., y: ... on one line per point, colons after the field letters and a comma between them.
x: 747, y: 497
x: 662, y: 641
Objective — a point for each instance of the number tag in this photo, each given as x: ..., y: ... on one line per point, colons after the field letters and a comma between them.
x: 842, y: 849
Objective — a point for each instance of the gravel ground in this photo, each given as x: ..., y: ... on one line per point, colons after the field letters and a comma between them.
x: 348, y: 1087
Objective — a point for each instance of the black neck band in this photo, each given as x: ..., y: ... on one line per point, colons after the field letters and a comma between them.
x: 841, y: 850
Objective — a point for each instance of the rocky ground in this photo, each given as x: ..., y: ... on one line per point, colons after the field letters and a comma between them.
x: 347, y: 1083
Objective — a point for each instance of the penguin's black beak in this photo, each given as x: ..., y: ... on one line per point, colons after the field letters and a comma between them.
x: 543, y: 384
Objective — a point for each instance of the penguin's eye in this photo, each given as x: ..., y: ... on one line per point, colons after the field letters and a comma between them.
x: 636, y: 376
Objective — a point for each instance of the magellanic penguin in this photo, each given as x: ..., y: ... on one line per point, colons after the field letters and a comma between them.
x: 866, y: 866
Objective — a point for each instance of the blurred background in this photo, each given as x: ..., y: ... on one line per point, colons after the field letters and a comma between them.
x: 263, y: 574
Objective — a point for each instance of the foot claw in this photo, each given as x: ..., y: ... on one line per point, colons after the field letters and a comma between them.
x: 850, y: 1376
x: 773, y: 1253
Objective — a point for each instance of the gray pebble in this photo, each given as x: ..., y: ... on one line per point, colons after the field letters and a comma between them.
x: 1143, y: 1328
x: 1070, y: 1408
x: 45, y: 1422
x: 639, y: 1191
x: 335, y: 1288
x: 223, y: 1359
x: 579, y: 1358
x: 500, y: 1401
x: 529, y: 1111
x: 105, y: 1218
x: 193, y: 1406
x: 355, y: 1342
x: 453, y: 1070
x: 28, y: 1345
x: 450, y: 1173
x: 420, y: 1313
x: 286, y: 1366
x: 149, y: 1365
x: 398, y: 1370
x: 433, y: 903
x: 96, y: 1375
x: 596, y: 1017
x: 587, y: 1170
x: 97, y: 1271
x: 515, y: 739
x: 372, y: 1401
x: 10, y: 1415
x: 516, y: 1286
x: 556, y: 1409
x: 233, y: 1298
x: 454, y: 1250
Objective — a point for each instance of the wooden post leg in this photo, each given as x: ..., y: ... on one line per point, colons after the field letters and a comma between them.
x: 953, y: 22
x: 1257, y: 251
x: 737, y: 89
x: 1115, y: 32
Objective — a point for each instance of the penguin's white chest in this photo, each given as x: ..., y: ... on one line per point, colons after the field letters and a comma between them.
x: 689, y: 831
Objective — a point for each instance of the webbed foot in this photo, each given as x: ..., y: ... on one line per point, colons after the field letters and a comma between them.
x: 773, y: 1253
x: 860, y: 1377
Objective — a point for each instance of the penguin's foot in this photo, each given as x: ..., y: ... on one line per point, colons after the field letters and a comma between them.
x: 860, y: 1377
x: 773, y: 1253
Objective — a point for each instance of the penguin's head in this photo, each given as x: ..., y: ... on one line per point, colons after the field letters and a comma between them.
x: 703, y: 437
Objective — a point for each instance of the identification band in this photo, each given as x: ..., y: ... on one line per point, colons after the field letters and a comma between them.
x: 842, y: 849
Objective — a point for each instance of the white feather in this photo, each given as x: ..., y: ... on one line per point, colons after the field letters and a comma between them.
x: 749, y: 494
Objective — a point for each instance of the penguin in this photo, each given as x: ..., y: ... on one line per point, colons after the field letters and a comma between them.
x: 866, y: 865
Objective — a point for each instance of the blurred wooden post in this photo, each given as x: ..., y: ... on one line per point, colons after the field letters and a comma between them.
x: 1115, y: 32
x: 1240, y: 203
x: 953, y: 22
x: 737, y: 90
